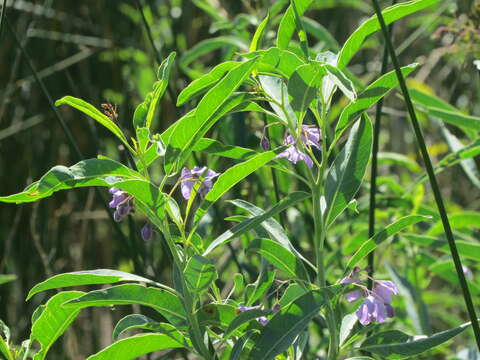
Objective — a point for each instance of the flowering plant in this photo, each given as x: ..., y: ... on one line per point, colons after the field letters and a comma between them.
x: 298, y: 285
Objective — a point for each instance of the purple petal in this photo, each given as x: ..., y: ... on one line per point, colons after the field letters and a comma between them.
x: 365, y: 311
x: 264, y: 143
x: 147, y: 231
x: 186, y: 186
x: 380, y: 312
x: 390, y: 310
x: 311, y: 136
x: 186, y: 174
x: 117, y: 199
x: 384, y: 289
x: 353, y: 295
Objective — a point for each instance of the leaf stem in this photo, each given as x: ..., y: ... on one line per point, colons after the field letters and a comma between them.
x: 431, y: 175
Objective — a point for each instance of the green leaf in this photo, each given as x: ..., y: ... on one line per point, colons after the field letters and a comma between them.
x: 464, y: 219
x: 276, y: 89
x: 283, y: 328
x: 143, y: 116
x: 4, y: 350
x: 273, y: 228
x: 92, y: 172
x: 467, y: 249
x: 319, y: 32
x: 135, y: 346
x: 53, y: 321
x: 243, y: 318
x: 7, y: 278
x: 257, y: 37
x: 456, y: 118
x: 257, y: 290
x: 210, y: 109
x: 390, y: 14
x: 95, y: 114
x: 216, y: 148
x: 90, y: 277
x: 205, y: 82
x: 348, y: 323
x: 137, y: 321
x: 342, y: 81
x: 391, y: 158
x: 253, y: 222
x: 277, y: 62
x: 209, y: 45
x: 279, y: 257
x: 467, y: 152
x: 240, y: 345
x: 395, y: 344
x: 303, y: 87
x: 288, y: 25
x: 368, y: 97
x: 348, y: 169
x: 392, y: 229
x: 217, y: 315
x: 165, y: 302
x: 199, y: 273
x: 233, y: 176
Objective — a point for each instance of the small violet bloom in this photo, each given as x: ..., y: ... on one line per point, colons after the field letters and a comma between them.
x: 147, y: 231
x: 189, y: 178
x: 310, y: 137
x: 122, y: 203
x: 263, y: 320
x: 376, y: 306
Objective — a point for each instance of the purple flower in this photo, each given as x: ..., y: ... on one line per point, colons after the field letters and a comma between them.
x: 189, y: 178
x: 147, y: 231
x: 384, y: 290
x: 376, y: 306
x: 121, y: 202
x: 264, y: 143
x: 262, y: 319
x: 310, y: 136
x: 372, y: 310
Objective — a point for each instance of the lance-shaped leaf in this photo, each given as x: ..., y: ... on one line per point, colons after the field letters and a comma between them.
x: 303, y: 87
x: 276, y: 89
x: 276, y: 62
x: 392, y: 229
x: 346, y: 173
x: 279, y: 257
x: 53, y: 321
x: 244, y: 318
x: 144, y: 113
x: 287, y: 24
x: 283, y: 328
x: 233, y: 176
x: 274, y: 229
x: 90, y: 277
x: 210, y: 109
x: 369, y: 97
x: 205, y: 82
x: 206, y: 46
x: 257, y: 37
x: 251, y: 223
x: 240, y: 345
x: 390, y: 14
x: 91, y: 172
x: 199, y: 273
x: 395, y: 344
x: 137, y: 321
x: 165, y: 302
x: 135, y: 346
x: 95, y: 114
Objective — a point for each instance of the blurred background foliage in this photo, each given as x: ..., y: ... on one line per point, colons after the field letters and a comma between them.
x: 101, y: 51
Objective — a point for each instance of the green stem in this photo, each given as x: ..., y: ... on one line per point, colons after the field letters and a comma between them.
x: 431, y: 175
x: 320, y: 231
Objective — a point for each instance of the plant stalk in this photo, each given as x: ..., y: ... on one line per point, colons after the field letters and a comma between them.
x: 431, y: 175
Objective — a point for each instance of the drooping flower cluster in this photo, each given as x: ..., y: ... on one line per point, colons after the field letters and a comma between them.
x: 310, y: 137
x: 122, y: 203
x: 189, y: 178
x: 376, y: 306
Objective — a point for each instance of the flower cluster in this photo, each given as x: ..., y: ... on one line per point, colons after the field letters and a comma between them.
x: 189, y: 178
x: 377, y: 302
x: 122, y: 203
x: 310, y: 137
